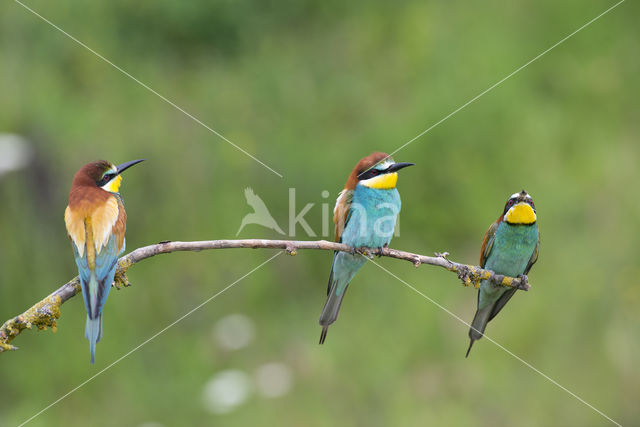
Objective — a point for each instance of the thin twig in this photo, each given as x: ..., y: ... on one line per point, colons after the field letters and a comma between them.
x: 45, y: 313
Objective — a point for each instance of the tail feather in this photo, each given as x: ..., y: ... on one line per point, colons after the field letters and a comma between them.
x: 90, y: 293
x: 478, y: 325
x: 469, y: 349
x: 93, y: 332
x: 344, y: 267
x: 330, y: 310
x: 323, y: 334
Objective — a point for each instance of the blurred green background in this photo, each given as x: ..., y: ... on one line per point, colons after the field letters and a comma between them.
x: 309, y: 88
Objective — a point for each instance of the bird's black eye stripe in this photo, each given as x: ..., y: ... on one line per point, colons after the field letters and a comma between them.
x: 508, y: 206
x: 369, y: 174
x: 106, y: 178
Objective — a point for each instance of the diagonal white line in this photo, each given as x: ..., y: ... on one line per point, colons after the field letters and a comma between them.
x: 500, y: 346
x: 165, y: 99
x: 499, y: 82
x: 147, y: 340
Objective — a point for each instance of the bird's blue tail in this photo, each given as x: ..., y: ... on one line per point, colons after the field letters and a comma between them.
x: 344, y: 267
x: 93, y: 332
x: 331, y: 307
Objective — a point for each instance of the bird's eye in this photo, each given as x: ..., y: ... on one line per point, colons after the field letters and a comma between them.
x: 108, y: 177
x: 373, y: 172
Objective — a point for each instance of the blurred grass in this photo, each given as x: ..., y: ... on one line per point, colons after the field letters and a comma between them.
x: 309, y: 88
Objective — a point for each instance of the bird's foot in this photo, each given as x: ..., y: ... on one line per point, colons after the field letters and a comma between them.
x: 417, y: 261
x: 442, y: 255
x: 121, y: 279
x: 524, y: 282
x: 381, y: 250
x: 291, y: 250
x: 364, y: 251
x: 464, y: 274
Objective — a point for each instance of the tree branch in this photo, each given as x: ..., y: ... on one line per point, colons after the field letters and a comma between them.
x: 46, y: 312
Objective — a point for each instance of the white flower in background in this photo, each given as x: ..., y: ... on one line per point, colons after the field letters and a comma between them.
x: 15, y: 152
x: 234, y: 332
x: 225, y: 391
x: 274, y: 379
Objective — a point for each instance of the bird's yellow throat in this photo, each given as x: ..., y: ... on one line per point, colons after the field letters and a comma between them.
x: 522, y: 213
x: 113, y: 186
x: 385, y: 181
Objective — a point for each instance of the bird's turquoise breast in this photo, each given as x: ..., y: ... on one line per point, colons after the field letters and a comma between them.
x: 372, y: 217
x: 513, y: 246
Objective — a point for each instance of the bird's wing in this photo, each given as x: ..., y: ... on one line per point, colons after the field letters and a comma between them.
x: 82, y: 262
x: 104, y: 220
x: 487, y: 243
x: 501, y: 302
x: 106, y: 260
x: 341, y: 212
x: 534, y: 256
x: 74, y: 221
x: 105, y: 270
x: 120, y: 227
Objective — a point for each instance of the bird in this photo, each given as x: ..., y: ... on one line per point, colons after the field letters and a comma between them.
x: 260, y: 214
x: 510, y: 247
x: 96, y: 220
x: 365, y: 217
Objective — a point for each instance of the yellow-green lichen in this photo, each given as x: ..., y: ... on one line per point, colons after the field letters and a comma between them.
x: 42, y: 315
x: 474, y: 277
x: 123, y: 265
x: 507, y: 281
x: 121, y: 278
x: 5, y: 346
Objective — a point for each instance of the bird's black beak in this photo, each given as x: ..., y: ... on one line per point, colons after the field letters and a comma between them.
x: 397, y: 166
x: 121, y: 168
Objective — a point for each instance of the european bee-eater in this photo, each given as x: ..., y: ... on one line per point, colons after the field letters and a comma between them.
x: 365, y: 217
x: 510, y: 247
x: 96, y: 222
